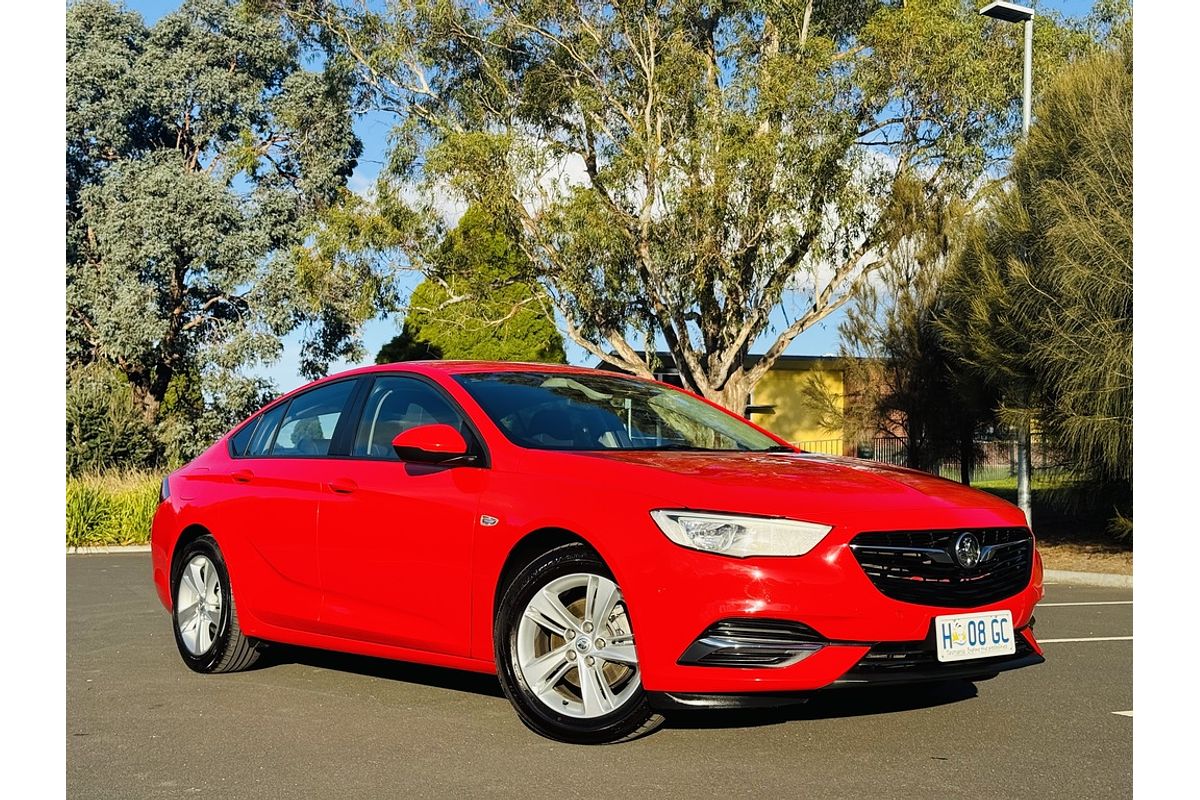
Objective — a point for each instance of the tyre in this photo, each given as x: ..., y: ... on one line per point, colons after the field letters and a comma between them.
x: 565, y: 651
x: 204, y: 616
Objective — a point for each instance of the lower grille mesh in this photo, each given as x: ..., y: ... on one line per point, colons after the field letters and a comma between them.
x: 894, y: 658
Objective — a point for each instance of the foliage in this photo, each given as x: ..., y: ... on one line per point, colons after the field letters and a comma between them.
x: 682, y: 168
x: 111, y: 509
x: 1040, y: 303
x: 201, y: 154
x: 106, y: 427
x: 910, y: 384
x: 192, y: 418
x: 507, y: 317
x: 904, y: 381
x: 407, y: 346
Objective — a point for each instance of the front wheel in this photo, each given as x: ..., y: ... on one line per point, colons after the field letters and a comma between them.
x: 565, y: 651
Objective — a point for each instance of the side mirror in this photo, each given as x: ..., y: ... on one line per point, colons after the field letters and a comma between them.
x: 432, y: 444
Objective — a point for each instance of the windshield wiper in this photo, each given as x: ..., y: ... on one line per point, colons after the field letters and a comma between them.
x: 677, y: 447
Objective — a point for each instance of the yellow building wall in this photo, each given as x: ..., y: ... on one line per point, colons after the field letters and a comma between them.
x: 783, y: 389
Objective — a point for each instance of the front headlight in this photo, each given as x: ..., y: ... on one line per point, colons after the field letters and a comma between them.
x: 738, y: 536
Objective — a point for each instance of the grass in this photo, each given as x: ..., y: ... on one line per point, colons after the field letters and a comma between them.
x: 1063, y: 515
x: 111, y: 509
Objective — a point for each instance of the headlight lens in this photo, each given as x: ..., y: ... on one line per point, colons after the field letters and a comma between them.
x: 738, y: 536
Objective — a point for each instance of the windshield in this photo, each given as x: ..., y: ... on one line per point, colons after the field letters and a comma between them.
x: 574, y: 411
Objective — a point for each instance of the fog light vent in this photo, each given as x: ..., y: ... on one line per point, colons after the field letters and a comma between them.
x: 753, y: 643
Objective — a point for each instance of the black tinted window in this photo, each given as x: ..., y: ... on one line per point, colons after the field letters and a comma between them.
x: 237, y: 444
x: 311, y: 420
x: 395, y: 405
x: 260, y: 442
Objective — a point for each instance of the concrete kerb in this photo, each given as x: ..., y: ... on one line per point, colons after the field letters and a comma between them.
x: 124, y: 548
x: 1088, y: 578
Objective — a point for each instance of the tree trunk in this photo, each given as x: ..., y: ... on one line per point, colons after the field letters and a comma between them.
x: 734, y: 395
x: 146, y: 399
x: 149, y: 387
x: 966, y: 455
x: 915, y: 452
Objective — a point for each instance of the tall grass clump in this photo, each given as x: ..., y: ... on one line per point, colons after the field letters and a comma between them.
x: 111, y: 508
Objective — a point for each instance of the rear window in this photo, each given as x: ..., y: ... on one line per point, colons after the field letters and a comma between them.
x: 237, y: 445
x: 311, y: 421
x: 264, y: 433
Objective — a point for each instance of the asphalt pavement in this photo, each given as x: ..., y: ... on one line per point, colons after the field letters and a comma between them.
x: 323, y: 725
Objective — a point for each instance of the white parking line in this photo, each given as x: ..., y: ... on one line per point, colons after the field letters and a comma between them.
x: 1093, y: 603
x: 1128, y: 713
x: 1088, y: 639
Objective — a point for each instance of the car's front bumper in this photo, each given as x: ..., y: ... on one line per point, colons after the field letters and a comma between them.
x: 826, y: 591
x: 879, y: 667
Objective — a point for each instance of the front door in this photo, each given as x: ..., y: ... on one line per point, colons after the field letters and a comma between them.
x: 396, y: 538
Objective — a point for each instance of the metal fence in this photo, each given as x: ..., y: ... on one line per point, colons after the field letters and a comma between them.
x: 827, y: 447
x: 995, y: 459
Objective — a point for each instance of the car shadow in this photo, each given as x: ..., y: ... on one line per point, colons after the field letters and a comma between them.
x: 832, y: 704
x: 387, y: 669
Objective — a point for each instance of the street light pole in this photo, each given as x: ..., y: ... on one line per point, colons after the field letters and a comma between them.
x: 1010, y: 12
x: 1028, y: 82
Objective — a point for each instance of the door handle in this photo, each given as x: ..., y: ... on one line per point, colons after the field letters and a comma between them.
x: 343, y: 485
x: 242, y: 476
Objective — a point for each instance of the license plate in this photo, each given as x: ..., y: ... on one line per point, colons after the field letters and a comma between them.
x: 961, y: 637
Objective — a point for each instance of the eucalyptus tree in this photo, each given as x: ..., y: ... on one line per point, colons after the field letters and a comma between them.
x: 693, y: 170
x: 201, y: 152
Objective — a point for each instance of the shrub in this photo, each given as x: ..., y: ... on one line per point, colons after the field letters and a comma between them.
x: 105, y: 427
x: 111, y: 508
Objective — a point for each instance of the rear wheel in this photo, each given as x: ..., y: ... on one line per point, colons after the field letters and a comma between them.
x: 565, y: 651
x: 204, y: 616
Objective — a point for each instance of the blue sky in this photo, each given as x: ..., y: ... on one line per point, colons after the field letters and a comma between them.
x: 372, y: 129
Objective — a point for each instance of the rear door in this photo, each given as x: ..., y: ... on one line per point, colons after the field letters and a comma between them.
x: 396, y: 538
x: 278, y: 475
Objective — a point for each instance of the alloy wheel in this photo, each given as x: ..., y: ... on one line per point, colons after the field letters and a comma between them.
x: 575, y: 647
x: 198, y: 605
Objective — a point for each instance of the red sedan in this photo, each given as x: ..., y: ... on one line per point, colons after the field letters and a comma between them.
x: 612, y: 548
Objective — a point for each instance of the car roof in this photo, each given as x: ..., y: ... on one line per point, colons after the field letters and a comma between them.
x: 459, y: 367
x: 426, y: 368
x: 447, y: 368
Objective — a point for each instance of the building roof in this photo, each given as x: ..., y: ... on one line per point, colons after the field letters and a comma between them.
x: 665, y: 362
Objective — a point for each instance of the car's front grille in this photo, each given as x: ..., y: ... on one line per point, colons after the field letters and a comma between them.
x: 922, y: 566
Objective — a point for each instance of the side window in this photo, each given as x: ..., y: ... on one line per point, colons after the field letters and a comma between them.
x: 260, y: 442
x: 237, y: 444
x: 311, y: 419
x: 395, y: 405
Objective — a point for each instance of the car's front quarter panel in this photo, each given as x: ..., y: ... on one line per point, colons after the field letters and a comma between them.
x: 529, y: 503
